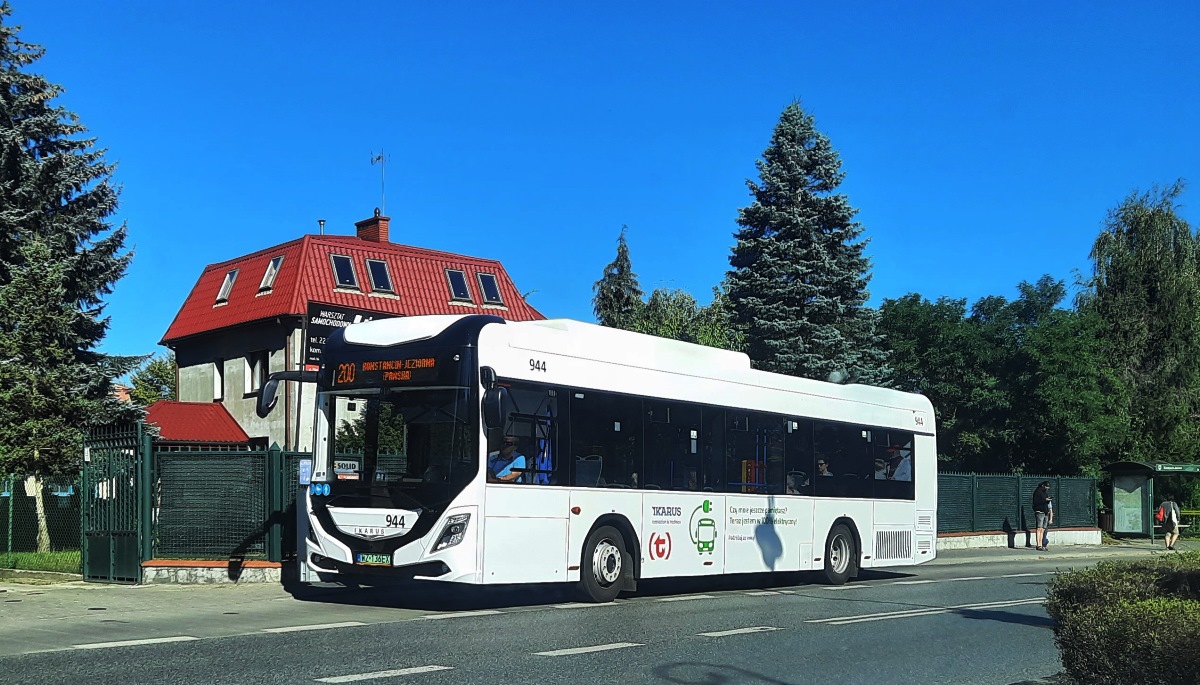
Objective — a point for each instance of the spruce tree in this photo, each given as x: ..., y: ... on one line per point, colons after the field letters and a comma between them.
x: 59, y: 256
x: 154, y: 381
x: 798, y: 286
x: 618, y: 297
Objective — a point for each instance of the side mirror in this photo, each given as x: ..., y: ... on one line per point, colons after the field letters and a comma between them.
x: 266, y: 394
x: 266, y: 398
x: 496, y: 406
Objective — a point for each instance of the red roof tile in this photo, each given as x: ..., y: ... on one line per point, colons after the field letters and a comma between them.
x: 201, y: 422
x: 306, y: 275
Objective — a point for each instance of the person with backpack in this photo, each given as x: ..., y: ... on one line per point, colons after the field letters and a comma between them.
x: 1041, y: 513
x: 1168, y: 515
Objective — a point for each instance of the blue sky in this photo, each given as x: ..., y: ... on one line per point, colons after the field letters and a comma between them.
x: 983, y: 143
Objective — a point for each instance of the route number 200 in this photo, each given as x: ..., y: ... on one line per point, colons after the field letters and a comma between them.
x: 537, y: 365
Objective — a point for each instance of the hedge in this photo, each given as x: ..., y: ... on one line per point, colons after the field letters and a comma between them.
x: 1130, y: 623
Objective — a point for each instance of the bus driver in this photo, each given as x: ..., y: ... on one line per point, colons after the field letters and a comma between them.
x: 505, y: 464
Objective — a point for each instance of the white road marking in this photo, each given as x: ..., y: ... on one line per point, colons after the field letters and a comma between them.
x: 583, y: 605
x: 462, y: 614
x: 317, y: 626
x: 133, y: 643
x: 740, y: 631
x: 910, y: 613
x: 762, y: 593
x: 685, y: 598
x: 844, y: 587
x: 585, y: 650
x: 383, y: 674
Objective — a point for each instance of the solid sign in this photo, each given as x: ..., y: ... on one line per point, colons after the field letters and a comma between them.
x: 324, y: 319
x: 305, y: 472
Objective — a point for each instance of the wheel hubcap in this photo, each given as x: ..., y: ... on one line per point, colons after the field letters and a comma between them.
x: 839, y: 554
x: 606, y: 563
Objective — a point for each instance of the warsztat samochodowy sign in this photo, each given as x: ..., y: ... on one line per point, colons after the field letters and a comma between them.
x: 324, y: 319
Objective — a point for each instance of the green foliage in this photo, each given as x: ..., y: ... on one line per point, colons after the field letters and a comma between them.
x: 1017, y: 386
x: 154, y: 381
x: 798, y: 284
x: 1129, y: 623
x: 66, y: 561
x: 675, y: 314
x: 393, y: 432
x: 1145, y: 289
x: 618, y: 297
x: 55, y: 269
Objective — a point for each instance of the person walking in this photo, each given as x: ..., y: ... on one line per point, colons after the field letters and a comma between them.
x: 1041, y: 513
x: 1170, y: 521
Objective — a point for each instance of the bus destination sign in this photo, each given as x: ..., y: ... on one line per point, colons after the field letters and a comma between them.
x: 385, y: 371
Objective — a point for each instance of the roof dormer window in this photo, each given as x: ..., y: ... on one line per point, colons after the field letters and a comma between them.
x: 381, y: 280
x: 223, y: 293
x: 268, y: 280
x: 458, y: 285
x: 343, y: 272
x: 490, y: 288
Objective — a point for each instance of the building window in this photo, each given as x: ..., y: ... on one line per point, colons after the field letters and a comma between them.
x: 343, y: 272
x: 490, y: 288
x: 256, y: 371
x: 268, y: 280
x: 458, y: 285
x: 218, y: 380
x: 223, y: 293
x: 381, y: 280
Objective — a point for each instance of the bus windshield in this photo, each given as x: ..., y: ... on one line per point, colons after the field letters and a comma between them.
x: 419, y: 441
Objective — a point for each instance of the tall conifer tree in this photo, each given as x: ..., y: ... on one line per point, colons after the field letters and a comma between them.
x: 798, y: 286
x: 618, y: 297
x: 59, y: 256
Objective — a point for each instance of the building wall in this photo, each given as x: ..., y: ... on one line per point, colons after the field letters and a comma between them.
x: 231, y: 349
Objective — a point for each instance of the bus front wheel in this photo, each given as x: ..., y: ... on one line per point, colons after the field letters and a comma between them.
x: 841, y: 555
x: 604, y: 565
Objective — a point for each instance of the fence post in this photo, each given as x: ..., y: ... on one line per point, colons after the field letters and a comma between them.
x: 275, y: 502
x: 12, y: 495
x: 145, y: 498
x: 974, y: 483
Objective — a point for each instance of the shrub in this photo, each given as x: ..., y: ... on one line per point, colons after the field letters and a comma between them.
x: 1130, y: 623
x: 1142, y: 642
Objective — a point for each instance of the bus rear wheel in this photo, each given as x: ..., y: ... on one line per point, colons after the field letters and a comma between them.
x: 604, y: 565
x: 841, y: 556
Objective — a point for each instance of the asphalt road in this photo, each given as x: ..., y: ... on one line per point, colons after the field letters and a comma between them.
x: 965, y: 623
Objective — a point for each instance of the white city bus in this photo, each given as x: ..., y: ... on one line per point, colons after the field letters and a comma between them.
x: 634, y: 457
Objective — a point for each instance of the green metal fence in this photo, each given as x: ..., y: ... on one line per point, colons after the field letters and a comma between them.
x: 39, y: 523
x: 973, y: 502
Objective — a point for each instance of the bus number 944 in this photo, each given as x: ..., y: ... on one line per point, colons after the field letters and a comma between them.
x: 537, y: 365
x: 394, y: 521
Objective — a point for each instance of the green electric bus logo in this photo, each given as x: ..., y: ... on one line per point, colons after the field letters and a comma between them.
x: 703, y: 529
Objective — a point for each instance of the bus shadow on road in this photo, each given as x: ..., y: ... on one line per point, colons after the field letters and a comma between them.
x: 435, y: 596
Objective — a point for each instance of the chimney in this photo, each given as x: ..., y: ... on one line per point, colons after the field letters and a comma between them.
x: 374, y: 229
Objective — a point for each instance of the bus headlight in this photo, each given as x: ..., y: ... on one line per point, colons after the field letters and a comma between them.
x: 453, y: 533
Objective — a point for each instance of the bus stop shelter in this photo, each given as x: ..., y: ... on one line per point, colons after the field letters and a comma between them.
x: 1133, y: 493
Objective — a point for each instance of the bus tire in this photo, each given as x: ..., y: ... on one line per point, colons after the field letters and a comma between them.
x: 604, y: 565
x: 841, y: 556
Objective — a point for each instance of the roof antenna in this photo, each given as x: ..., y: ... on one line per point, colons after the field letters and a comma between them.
x: 321, y: 223
x: 381, y: 160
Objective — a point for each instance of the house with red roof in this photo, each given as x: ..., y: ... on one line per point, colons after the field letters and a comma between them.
x: 271, y: 310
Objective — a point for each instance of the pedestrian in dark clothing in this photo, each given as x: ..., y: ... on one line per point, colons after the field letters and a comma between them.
x: 1041, y: 513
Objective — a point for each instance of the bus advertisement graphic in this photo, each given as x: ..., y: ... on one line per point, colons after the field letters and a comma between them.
x: 703, y: 529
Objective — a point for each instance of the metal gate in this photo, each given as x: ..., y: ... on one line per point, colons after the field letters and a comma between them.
x: 115, y: 480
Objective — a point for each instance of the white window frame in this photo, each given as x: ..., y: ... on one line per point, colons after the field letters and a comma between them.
x: 226, y: 287
x: 218, y: 380
x: 268, y: 279
x: 256, y: 366
x: 466, y: 284
x: 483, y: 289
x: 353, y: 272
x: 391, y: 285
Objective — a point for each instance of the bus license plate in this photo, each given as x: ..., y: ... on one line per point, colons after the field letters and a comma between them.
x: 374, y: 559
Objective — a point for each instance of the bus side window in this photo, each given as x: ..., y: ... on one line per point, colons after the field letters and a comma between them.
x: 606, y: 429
